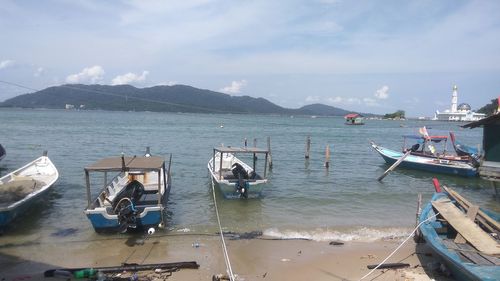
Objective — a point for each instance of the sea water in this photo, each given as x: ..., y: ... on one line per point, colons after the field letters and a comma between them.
x: 303, y: 199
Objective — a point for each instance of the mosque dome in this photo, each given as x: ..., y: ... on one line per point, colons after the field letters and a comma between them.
x: 464, y: 107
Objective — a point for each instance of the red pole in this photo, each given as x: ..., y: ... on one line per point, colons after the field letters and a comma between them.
x: 437, y: 186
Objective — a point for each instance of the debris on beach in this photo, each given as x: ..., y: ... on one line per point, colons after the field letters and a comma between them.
x: 336, y: 243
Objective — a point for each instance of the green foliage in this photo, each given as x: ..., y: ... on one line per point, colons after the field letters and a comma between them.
x: 490, y: 108
x: 396, y: 115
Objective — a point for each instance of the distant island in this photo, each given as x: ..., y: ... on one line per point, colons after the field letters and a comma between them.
x: 176, y: 98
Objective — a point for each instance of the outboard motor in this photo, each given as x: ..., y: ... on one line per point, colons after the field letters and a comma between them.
x: 125, y: 202
x: 240, y: 173
x: 414, y: 147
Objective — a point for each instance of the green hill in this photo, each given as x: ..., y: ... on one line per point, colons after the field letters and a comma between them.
x: 177, y: 98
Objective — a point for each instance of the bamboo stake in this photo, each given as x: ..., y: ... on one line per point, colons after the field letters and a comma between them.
x: 327, y: 156
x: 308, y: 147
x: 270, y: 159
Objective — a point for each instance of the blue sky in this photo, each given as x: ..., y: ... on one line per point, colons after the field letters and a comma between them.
x: 366, y: 56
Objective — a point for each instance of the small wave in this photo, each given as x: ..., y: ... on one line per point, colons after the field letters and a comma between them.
x: 362, y: 234
x: 184, y: 230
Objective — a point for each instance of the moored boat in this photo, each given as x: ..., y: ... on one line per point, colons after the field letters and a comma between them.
x: 134, y: 198
x: 354, y: 119
x: 463, y: 149
x: 464, y: 236
x: 24, y: 186
x: 235, y: 178
x: 435, y: 165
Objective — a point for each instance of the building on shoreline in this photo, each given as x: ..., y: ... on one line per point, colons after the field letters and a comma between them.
x: 461, y: 112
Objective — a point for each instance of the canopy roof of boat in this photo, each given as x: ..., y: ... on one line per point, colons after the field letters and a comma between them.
x: 128, y: 163
x: 230, y: 149
x: 432, y: 138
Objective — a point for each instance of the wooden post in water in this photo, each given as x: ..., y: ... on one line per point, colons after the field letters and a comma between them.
x: 270, y: 158
x: 245, y: 142
x: 255, y: 146
x: 327, y: 156
x: 308, y: 147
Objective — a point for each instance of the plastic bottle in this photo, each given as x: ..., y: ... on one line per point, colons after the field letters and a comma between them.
x: 85, y: 273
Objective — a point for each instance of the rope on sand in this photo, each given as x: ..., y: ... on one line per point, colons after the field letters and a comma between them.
x: 388, y: 257
x: 224, y: 248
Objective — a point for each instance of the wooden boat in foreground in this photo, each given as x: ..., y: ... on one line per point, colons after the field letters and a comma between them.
x: 134, y: 198
x: 234, y: 177
x: 22, y: 187
x: 435, y: 165
x: 464, y: 236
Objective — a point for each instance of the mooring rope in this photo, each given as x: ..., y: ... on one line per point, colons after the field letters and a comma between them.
x: 224, y: 248
x: 388, y: 257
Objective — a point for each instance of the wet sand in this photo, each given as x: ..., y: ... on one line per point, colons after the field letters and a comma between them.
x: 251, y: 259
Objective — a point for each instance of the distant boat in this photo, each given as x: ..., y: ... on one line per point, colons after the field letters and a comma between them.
x: 463, y: 235
x: 354, y: 119
x: 24, y: 186
x: 136, y: 196
x: 2, y: 152
x: 235, y: 178
x: 462, y: 149
x: 434, y: 165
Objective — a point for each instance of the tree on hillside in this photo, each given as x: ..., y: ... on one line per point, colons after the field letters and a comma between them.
x: 489, y: 109
x: 400, y: 114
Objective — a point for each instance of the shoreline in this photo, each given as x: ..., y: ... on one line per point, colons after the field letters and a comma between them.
x: 251, y: 259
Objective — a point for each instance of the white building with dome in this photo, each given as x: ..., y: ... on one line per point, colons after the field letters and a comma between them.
x: 462, y: 112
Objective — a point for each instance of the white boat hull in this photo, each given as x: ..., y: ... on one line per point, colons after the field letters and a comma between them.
x: 227, y: 183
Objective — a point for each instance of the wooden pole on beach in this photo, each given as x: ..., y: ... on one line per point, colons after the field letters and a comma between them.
x: 308, y: 147
x: 394, y: 165
x: 270, y: 159
x: 327, y: 156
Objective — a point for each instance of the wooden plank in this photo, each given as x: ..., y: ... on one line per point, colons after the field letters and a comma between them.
x: 466, y: 205
x: 468, y: 229
x: 471, y: 214
x: 475, y: 258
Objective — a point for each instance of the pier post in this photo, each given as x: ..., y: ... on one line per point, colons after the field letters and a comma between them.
x: 270, y: 158
x: 308, y: 147
x: 327, y: 156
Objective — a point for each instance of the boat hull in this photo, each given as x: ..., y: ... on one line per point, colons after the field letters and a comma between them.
x: 39, y: 169
x: 426, y: 163
x: 103, y: 222
x: 461, y: 270
x: 229, y: 187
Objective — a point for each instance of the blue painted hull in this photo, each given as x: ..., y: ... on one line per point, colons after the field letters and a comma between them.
x: 427, y: 164
x: 461, y: 270
x: 101, y: 223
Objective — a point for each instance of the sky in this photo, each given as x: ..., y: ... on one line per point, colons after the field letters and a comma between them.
x: 365, y: 56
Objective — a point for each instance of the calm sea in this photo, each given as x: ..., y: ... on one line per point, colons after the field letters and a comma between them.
x: 302, y: 199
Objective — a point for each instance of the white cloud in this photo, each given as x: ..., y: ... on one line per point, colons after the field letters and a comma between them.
x: 312, y: 99
x: 6, y: 63
x: 382, y: 93
x: 39, y: 72
x: 88, y: 74
x: 235, y: 87
x: 370, y: 102
x: 169, y: 83
x: 129, y: 78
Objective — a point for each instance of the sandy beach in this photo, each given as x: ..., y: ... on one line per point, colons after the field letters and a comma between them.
x: 251, y: 259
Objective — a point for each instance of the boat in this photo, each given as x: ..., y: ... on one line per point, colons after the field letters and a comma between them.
x: 2, y: 152
x: 435, y: 165
x: 134, y: 198
x: 462, y: 149
x: 354, y: 119
x: 235, y: 178
x: 464, y: 236
x: 425, y: 147
x: 24, y: 186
